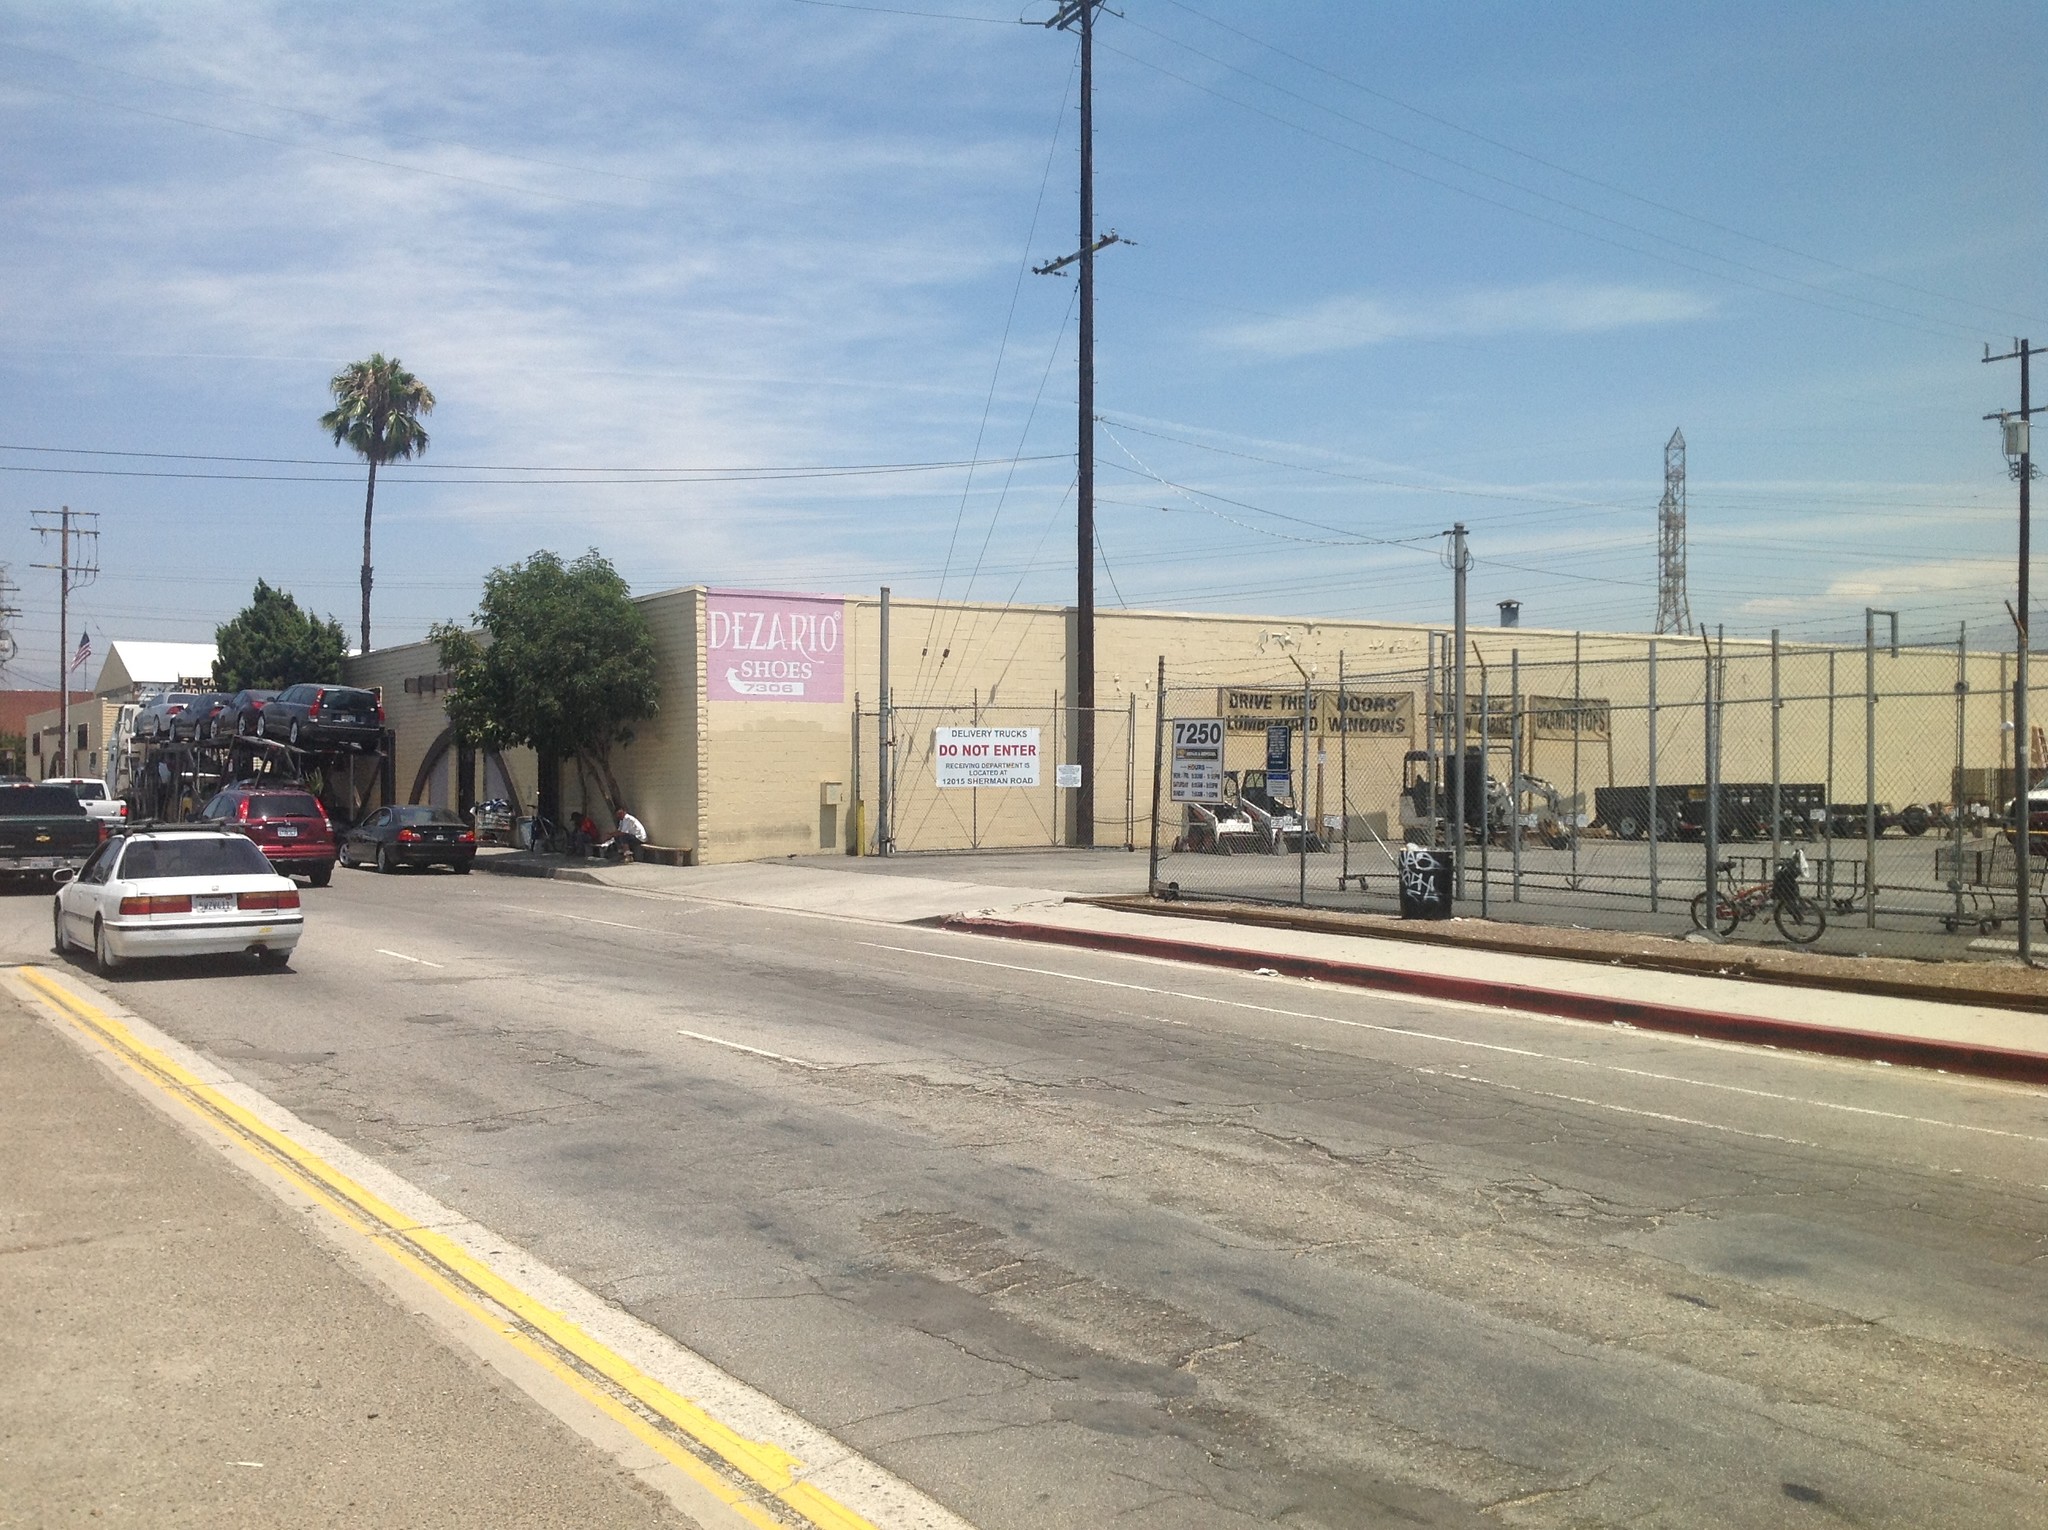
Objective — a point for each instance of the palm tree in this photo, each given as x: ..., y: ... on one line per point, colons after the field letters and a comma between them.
x: 377, y: 405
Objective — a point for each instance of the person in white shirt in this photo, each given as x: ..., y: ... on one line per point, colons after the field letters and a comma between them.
x: 629, y: 834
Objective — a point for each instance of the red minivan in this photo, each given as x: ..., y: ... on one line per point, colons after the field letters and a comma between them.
x: 288, y: 823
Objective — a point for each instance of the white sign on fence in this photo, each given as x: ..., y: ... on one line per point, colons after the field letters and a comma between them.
x: 1197, y: 773
x: 970, y: 757
x: 1067, y: 777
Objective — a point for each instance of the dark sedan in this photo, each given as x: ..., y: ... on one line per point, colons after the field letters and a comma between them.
x: 324, y: 716
x: 393, y: 837
x: 244, y: 712
x: 205, y: 716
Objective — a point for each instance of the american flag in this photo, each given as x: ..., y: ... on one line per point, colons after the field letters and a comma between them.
x: 84, y: 654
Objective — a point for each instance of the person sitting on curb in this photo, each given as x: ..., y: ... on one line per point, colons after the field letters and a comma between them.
x: 629, y: 836
x: 582, y: 836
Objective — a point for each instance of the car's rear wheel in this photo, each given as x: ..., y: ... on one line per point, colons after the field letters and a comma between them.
x: 293, y: 735
x: 321, y: 875
x: 57, y: 940
x: 272, y: 959
x: 463, y: 867
x: 386, y: 861
x: 102, y: 949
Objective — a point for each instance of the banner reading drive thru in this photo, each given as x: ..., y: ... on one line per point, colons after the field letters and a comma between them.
x: 985, y: 756
x: 774, y: 647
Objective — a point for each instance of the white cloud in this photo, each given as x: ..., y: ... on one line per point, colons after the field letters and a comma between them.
x: 1544, y: 308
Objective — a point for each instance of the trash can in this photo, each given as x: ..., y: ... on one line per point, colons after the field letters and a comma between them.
x: 1425, y: 883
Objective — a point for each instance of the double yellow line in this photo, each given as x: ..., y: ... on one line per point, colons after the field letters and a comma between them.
x: 755, y: 1479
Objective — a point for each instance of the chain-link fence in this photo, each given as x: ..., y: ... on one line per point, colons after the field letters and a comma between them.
x: 971, y: 776
x: 1612, y: 784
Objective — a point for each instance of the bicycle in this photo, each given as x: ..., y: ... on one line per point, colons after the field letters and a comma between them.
x: 1800, y: 919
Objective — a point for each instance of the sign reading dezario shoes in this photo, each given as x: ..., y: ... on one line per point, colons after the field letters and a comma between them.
x: 774, y: 647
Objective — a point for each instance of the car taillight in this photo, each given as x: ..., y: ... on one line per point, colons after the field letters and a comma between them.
x: 408, y: 836
x: 319, y: 697
x: 467, y: 837
x: 242, y: 811
x: 123, y: 811
x: 288, y: 899
x: 157, y: 905
x: 105, y: 832
x: 380, y: 714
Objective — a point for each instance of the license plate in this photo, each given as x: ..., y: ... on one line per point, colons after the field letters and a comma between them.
x: 214, y: 903
x: 39, y: 863
x: 286, y: 831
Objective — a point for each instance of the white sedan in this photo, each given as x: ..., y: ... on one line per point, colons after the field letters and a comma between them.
x: 178, y: 892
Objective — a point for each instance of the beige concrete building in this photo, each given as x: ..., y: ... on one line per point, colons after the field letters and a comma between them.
x: 767, y: 742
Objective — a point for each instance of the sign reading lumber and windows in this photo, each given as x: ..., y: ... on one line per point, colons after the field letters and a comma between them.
x: 774, y: 647
x: 1361, y: 714
x: 971, y: 757
x: 1197, y: 773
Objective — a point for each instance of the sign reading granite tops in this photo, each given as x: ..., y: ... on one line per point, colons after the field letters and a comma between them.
x: 774, y: 647
x: 1362, y: 714
x: 985, y: 756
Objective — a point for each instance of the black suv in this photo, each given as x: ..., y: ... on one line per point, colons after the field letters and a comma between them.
x: 324, y: 716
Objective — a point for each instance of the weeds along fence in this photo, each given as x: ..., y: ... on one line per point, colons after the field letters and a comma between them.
x: 1605, y: 784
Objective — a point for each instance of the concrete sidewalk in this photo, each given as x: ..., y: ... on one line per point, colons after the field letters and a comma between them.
x: 1962, y: 1038
x: 1980, y: 1038
x: 178, y: 1350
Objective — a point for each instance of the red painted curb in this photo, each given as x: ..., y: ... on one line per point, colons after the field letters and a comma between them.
x: 1905, y: 1051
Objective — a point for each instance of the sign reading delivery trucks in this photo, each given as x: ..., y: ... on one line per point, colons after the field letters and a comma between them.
x: 774, y: 647
x: 985, y: 756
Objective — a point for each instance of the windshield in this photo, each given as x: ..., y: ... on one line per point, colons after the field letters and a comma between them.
x: 196, y: 856
x: 419, y: 815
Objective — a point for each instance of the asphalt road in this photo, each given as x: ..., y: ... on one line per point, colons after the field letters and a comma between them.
x: 1070, y: 1239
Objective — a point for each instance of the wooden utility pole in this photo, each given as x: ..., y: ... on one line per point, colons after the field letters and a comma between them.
x: 1079, y: 16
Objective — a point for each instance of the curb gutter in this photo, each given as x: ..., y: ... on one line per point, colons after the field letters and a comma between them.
x: 1872, y: 1046
x: 504, y: 866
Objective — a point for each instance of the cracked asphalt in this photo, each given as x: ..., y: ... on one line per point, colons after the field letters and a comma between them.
x: 1074, y: 1239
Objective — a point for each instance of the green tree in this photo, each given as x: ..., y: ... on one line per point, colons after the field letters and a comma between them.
x: 377, y: 405
x: 563, y: 664
x: 271, y: 644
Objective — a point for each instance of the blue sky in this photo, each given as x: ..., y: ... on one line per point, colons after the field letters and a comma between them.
x: 1393, y: 266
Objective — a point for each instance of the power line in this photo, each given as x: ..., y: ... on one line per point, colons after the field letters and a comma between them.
x: 1947, y: 326
x: 490, y: 467
x: 671, y: 476
x: 1566, y: 170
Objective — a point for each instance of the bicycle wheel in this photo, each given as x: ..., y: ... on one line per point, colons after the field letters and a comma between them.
x: 1726, y: 914
x: 1801, y: 920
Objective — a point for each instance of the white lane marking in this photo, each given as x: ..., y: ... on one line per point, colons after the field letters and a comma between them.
x: 421, y: 960
x: 1626, y: 1110
x: 584, y: 919
x: 1482, y: 1046
x: 740, y: 1046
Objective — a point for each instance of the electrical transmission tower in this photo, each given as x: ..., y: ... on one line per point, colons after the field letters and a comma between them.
x: 1674, y: 610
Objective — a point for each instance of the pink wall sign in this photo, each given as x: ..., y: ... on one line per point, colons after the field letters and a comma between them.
x: 775, y: 647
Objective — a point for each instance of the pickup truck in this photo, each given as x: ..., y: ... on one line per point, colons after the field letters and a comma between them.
x: 44, y: 829
x: 93, y: 793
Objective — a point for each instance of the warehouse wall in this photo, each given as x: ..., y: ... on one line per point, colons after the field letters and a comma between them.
x: 732, y: 777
